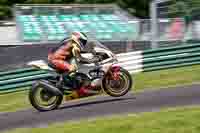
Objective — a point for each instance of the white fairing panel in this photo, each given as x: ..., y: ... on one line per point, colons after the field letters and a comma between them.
x: 108, y: 52
x: 87, y: 55
x: 40, y: 64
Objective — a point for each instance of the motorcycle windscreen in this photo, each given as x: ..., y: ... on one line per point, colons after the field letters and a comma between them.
x: 94, y: 43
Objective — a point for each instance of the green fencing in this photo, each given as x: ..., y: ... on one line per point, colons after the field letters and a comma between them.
x: 20, y: 78
x: 141, y: 61
x: 171, y: 57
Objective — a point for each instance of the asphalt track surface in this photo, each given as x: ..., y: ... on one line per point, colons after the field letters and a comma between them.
x: 147, y: 101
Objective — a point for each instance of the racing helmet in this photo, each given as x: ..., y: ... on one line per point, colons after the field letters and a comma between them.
x: 80, y: 38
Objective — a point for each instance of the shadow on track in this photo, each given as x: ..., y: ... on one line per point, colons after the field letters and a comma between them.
x: 98, y: 101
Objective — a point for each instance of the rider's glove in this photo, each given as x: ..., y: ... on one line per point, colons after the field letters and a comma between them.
x: 72, y: 68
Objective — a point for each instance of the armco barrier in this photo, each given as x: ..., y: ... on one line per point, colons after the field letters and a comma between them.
x: 139, y: 61
x: 171, y: 57
x: 162, y: 58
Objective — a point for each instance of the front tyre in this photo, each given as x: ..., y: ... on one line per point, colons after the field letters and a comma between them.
x: 117, y: 88
x: 42, y: 100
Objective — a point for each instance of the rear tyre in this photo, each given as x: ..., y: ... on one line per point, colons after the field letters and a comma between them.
x: 42, y: 100
x: 117, y: 88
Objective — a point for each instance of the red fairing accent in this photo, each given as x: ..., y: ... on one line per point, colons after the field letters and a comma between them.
x: 82, y: 91
x: 115, y: 71
x: 115, y: 68
x: 115, y: 65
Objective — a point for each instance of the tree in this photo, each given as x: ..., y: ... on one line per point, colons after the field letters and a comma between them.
x: 189, y: 9
x: 139, y: 8
x: 37, y: 1
x: 5, y: 12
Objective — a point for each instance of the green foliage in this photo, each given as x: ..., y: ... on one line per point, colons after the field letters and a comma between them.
x: 136, y: 7
x: 5, y: 12
x: 3, y: 2
x: 38, y: 1
x: 139, y: 8
x: 193, y: 9
x: 190, y: 9
x: 11, y: 2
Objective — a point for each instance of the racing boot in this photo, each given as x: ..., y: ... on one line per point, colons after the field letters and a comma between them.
x: 72, y: 96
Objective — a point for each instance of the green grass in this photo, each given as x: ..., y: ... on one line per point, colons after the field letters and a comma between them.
x: 167, y: 78
x: 14, y: 101
x: 179, y: 120
x: 148, y: 80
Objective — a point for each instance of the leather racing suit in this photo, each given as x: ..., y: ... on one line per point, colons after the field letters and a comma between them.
x: 66, y: 56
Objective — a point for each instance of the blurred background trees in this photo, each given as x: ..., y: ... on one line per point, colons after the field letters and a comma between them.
x: 138, y: 8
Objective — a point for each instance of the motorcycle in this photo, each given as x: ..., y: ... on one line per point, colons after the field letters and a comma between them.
x: 106, y: 75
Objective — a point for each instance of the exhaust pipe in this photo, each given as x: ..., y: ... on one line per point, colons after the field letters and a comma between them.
x: 50, y: 88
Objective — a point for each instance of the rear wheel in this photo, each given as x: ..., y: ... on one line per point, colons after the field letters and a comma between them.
x: 42, y: 100
x: 120, y: 87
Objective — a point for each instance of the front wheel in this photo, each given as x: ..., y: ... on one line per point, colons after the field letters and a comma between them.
x: 42, y: 100
x: 120, y: 87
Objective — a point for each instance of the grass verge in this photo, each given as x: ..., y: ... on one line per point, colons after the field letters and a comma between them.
x: 14, y: 101
x: 167, y: 78
x: 148, y: 80
x: 179, y: 120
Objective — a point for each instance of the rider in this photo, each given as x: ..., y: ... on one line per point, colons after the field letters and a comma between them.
x: 65, y: 57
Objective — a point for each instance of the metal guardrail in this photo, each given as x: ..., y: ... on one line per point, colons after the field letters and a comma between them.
x: 162, y: 58
x: 7, y: 23
x: 139, y: 61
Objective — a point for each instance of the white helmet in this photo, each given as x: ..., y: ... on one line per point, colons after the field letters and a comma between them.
x: 80, y: 38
